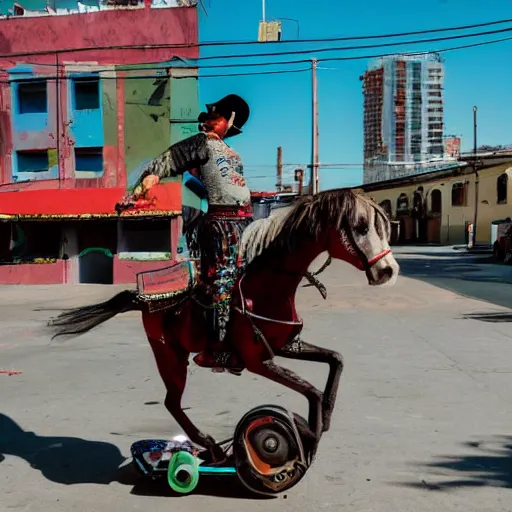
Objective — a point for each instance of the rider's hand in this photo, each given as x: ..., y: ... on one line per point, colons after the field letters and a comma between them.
x: 138, y: 193
x: 147, y: 183
x: 212, y: 135
x: 150, y: 181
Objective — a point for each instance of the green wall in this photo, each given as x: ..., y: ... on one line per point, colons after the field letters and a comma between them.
x: 147, y: 130
x: 109, y: 98
x: 158, y: 113
x: 184, y: 107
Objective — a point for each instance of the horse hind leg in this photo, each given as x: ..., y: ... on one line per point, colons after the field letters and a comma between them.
x: 303, y: 351
x: 272, y: 371
x: 172, y: 363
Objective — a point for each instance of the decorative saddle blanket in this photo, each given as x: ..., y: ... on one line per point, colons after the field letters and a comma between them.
x: 164, y: 288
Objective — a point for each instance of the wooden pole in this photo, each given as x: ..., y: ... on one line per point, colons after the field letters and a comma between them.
x: 301, y: 184
x: 314, y: 179
x: 279, y: 184
x: 477, y: 180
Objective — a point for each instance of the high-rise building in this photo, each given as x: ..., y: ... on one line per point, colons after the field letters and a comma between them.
x: 403, y: 116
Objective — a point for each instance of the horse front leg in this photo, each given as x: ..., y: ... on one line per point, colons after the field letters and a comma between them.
x: 303, y: 351
x: 172, y: 364
x: 272, y: 371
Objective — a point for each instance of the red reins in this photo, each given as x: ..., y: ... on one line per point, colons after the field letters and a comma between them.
x: 378, y: 257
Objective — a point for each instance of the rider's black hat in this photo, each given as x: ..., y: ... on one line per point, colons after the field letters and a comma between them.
x: 225, y: 107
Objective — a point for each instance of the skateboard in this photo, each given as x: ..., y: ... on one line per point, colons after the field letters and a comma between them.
x: 268, y: 453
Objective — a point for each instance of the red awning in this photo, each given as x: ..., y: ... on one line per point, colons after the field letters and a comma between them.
x: 86, y: 203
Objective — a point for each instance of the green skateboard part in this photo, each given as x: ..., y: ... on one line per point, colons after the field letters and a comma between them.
x: 183, y: 472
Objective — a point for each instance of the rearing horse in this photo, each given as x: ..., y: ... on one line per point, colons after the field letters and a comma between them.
x: 263, y: 322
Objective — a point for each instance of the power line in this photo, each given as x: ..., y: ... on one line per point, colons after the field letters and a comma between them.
x: 365, y: 37
x: 300, y: 52
x: 254, y: 73
x: 154, y: 77
x: 349, y: 48
x: 241, y: 43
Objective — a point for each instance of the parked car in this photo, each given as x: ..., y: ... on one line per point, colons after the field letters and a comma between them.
x: 503, y: 244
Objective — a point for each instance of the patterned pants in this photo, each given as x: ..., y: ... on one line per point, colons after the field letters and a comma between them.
x: 215, y: 240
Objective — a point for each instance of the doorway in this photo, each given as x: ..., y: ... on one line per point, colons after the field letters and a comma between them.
x: 96, y: 266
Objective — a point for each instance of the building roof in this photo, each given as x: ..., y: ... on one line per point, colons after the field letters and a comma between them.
x: 462, y: 169
x: 86, y: 203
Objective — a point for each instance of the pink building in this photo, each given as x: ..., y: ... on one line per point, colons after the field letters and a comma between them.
x: 85, y: 100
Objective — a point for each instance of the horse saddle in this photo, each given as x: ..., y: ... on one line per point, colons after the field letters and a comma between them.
x: 165, y: 288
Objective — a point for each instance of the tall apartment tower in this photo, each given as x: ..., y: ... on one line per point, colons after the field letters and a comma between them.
x: 403, y: 116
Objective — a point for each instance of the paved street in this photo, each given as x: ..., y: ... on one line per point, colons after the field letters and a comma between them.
x: 471, y: 275
x: 423, y: 421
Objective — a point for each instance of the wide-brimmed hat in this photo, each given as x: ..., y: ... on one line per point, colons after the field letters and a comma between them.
x: 225, y: 107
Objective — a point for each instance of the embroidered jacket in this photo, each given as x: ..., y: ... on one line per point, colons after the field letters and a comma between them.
x: 220, y: 168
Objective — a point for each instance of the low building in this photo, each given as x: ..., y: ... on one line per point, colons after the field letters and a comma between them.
x: 88, y: 95
x: 438, y: 207
x: 69, y: 236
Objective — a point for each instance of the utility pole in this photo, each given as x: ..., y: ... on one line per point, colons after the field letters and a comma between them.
x: 279, y: 184
x: 313, y: 180
x: 263, y: 11
x: 299, y: 177
x: 475, y: 168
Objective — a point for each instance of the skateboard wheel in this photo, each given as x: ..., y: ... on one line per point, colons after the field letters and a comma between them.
x: 183, y: 472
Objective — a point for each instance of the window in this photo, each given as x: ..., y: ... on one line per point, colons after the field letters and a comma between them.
x: 501, y: 186
x: 136, y: 236
x: 402, y: 203
x: 89, y: 160
x: 436, y: 200
x: 386, y: 206
x: 87, y: 93
x: 32, y: 161
x: 32, y: 97
x: 42, y: 239
x: 459, y: 194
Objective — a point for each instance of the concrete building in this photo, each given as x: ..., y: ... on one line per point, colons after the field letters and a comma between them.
x: 403, y: 116
x: 437, y: 207
x: 86, y: 98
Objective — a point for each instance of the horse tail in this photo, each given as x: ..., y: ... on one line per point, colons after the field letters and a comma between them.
x: 81, y: 320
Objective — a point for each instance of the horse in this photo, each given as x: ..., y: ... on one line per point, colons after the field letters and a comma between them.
x: 263, y: 320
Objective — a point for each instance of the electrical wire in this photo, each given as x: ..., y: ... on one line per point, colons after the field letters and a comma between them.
x: 154, y: 77
x: 254, y: 73
x: 301, y: 52
x: 238, y: 43
x: 351, y: 48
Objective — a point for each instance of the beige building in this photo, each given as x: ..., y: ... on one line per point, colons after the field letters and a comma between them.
x: 437, y: 207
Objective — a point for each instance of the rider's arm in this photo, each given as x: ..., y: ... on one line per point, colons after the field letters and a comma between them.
x: 180, y: 157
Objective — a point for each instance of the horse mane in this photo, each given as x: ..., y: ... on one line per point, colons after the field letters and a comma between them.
x: 307, y: 218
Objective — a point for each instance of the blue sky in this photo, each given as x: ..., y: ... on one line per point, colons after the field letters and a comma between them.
x: 281, y: 103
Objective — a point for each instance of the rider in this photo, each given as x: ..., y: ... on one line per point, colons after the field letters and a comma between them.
x: 215, y: 237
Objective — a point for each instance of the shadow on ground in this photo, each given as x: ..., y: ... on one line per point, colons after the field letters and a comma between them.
x: 219, y: 487
x: 490, y: 465
x: 470, y: 276
x: 63, y: 460
x: 489, y: 317
x: 72, y: 460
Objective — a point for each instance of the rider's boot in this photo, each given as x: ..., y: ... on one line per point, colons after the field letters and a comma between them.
x: 219, y: 360
x: 219, y: 356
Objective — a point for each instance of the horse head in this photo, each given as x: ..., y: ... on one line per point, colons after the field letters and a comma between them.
x: 360, y: 236
x: 341, y: 223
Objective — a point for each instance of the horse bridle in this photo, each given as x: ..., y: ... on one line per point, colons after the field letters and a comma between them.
x: 352, y: 247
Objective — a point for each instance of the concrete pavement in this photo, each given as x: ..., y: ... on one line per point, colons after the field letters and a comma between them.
x: 422, y: 423
x: 474, y: 275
